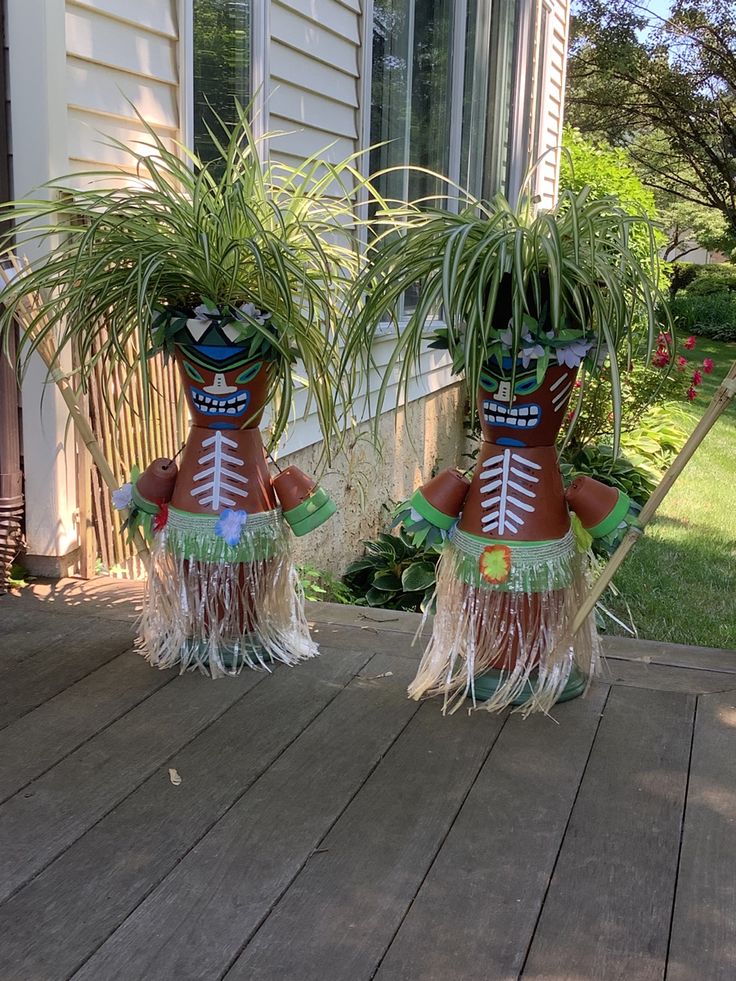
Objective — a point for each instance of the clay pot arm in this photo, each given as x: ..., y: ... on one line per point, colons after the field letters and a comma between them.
x: 600, y: 509
x: 440, y: 501
x: 155, y: 486
x: 304, y: 503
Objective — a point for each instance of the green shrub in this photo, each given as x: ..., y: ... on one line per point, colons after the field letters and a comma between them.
x: 321, y: 586
x: 643, y: 387
x: 395, y: 573
x: 657, y: 439
x: 703, y: 280
x: 708, y: 315
x: 682, y: 274
x: 608, y: 171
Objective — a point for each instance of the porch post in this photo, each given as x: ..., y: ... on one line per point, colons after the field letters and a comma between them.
x: 36, y: 40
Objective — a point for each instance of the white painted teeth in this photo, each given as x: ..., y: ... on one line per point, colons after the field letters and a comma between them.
x: 520, y: 417
x: 215, y: 406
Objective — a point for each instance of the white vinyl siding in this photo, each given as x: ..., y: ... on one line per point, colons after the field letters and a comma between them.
x: 119, y: 50
x: 315, y: 74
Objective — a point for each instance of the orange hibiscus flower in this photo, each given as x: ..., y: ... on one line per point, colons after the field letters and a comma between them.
x: 495, y: 564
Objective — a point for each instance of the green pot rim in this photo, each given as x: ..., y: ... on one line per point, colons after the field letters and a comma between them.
x: 142, y: 503
x: 613, y: 520
x: 315, y: 519
x: 430, y: 513
x: 317, y: 499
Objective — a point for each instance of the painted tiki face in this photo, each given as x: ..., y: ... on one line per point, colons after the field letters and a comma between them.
x: 527, y: 412
x: 224, y: 387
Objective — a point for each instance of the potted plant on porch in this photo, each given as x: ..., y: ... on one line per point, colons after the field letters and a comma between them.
x: 238, y: 269
x: 526, y: 302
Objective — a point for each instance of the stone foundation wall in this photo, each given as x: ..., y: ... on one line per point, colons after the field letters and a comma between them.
x: 365, y: 481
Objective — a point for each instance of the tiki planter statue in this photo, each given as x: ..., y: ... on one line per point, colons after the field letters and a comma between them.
x: 222, y: 587
x: 512, y: 575
x: 239, y: 269
x: 529, y: 303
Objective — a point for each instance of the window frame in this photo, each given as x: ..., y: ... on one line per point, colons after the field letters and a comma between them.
x: 260, y: 12
x: 522, y: 96
x: 457, y: 85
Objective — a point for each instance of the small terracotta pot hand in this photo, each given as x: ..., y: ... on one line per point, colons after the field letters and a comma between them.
x: 305, y: 504
x: 442, y: 498
x: 599, y: 508
x: 157, y: 482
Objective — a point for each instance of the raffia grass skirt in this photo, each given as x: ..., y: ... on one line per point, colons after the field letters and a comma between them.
x: 521, y: 629
x: 220, y: 608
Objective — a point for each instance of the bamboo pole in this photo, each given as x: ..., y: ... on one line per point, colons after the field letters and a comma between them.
x: 718, y: 404
x: 80, y: 421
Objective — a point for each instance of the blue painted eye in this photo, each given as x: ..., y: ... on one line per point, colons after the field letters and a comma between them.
x: 249, y: 374
x: 489, y: 383
x: 192, y: 372
x: 526, y: 386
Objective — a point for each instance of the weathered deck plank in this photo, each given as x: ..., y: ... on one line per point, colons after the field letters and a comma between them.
x: 39, y: 823
x: 341, y: 912
x: 607, y: 912
x: 24, y: 633
x: 478, y: 906
x: 326, y: 827
x: 674, y: 655
x: 50, y: 927
x: 197, y: 921
x: 703, y: 942
x: 31, y: 745
x: 65, y: 659
x: 659, y: 677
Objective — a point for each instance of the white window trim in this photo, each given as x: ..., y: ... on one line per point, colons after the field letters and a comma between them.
x: 186, y: 72
x: 260, y: 65
x: 260, y: 68
x: 457, y: 88
x: 366, y: 83
x: 542, y: 92
x: 522, y: 93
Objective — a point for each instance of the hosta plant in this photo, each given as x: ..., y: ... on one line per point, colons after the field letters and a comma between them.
x: 394, y: 573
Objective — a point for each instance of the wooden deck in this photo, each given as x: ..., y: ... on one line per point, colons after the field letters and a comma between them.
x: 327, y: 828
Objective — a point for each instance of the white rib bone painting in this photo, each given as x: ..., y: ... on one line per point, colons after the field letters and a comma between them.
x: 505, y: 499
x: 218, y: 485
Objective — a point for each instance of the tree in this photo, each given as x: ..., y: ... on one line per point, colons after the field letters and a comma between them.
x: 664, y: 89
x: 690, y: 226
x: 608, y: 172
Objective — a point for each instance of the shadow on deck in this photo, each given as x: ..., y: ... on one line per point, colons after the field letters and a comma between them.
x: 327, y: 828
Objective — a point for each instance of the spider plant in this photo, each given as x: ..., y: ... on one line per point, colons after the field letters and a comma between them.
x: 126, y: 260
x: 506, y: 280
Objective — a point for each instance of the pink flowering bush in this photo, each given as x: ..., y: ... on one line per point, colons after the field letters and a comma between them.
x: 692, y: 376
x: 670, y: 376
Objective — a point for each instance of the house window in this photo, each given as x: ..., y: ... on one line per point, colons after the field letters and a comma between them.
x: 222, y: 32
x: 503, y: 45
x: 441, y: 91
x: 441, y: 98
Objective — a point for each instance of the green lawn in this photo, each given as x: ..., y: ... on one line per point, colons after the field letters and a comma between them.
x: 680, y: 579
